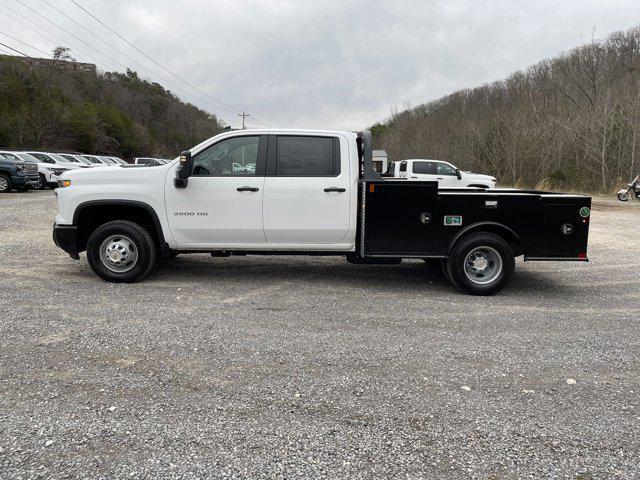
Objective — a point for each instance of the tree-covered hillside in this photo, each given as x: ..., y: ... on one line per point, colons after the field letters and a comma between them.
x: 52, y: 108
x: 568, y: 122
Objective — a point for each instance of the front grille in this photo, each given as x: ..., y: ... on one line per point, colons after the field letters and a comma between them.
x: 30, y: 169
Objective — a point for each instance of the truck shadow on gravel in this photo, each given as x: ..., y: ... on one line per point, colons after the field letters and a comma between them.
x: 406, y: 277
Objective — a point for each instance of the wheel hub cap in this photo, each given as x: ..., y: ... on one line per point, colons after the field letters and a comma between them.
x: 483, y: 265
x: 118, y: 253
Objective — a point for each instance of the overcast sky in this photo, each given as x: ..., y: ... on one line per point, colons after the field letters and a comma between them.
x: 323, y: 64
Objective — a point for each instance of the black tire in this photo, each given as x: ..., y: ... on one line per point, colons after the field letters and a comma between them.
x: 43, y: 182
x: 5, y: 183
x: 503, y: 263
x: 143, y: 246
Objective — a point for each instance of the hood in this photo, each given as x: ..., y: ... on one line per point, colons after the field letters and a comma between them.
x: 479, y: 176
x: 114, y: 175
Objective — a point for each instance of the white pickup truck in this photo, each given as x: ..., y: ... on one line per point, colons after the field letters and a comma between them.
x: 446, y: 174
x: 311, y: 193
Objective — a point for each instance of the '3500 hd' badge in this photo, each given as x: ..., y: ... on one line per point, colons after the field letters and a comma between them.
x: 453, y: 220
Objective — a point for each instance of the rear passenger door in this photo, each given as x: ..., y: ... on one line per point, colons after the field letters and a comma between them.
x: 306, y: 191
x: 423, y: 170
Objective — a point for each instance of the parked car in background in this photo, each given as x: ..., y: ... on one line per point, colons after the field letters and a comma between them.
x: 446, y: 174
x: 52, y: 165
x: 74, y: 158
x: 119, y: 160
x: 46, y: 173
x: 150, y: 161
x: 16, y: 173
x: 99, y: 161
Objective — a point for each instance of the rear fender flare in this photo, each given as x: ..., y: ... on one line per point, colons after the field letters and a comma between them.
x: 507, y: 233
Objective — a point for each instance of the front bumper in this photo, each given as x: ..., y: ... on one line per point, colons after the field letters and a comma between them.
x: 24, y: 181
x: 66, y: 238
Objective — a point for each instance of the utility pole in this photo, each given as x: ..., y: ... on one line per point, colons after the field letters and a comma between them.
x: 243, y: 115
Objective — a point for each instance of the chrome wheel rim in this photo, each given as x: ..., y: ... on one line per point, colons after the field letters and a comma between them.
x: 118, y: 253
x: 4, y: 185
x: 483, y: 265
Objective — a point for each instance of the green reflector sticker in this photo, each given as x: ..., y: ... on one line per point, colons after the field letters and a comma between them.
x: 452, y: 220
x: 584, y: 212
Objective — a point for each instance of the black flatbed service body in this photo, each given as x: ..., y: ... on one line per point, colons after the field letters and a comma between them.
x: 415, y: 219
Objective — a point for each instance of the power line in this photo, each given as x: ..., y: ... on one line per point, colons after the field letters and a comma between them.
x: 58, y: 39
x: 99, y: 51
x: 23, y: 43
x: 230, y: 109
x: 234, y: 110
x: 124, y: 54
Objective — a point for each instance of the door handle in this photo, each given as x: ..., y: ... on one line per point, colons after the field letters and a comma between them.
x: 439, y: 178
x: 247, y: 189
x: 335, y: 189
x: 414, y: 177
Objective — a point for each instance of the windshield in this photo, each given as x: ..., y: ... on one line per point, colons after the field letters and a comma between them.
x: 108, y: 161
x: 91, y: 159
x: 70, y: 158
x: 58, y: 157
x: 12, y: 157
x: 27, y: 157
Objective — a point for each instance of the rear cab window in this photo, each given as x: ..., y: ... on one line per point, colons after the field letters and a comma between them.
x: 304, y: 156
x: 425, y: 168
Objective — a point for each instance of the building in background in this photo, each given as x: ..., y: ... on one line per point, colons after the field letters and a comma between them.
x: 380, y: 161
x: 59, y: 64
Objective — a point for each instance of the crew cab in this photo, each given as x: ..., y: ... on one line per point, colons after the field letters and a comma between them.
x: 446, y: 174
x: 16, y: 173
x: 312, y: 192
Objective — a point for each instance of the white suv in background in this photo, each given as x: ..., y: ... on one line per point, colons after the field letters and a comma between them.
x: 50, y: 166
x: 447, y: 175
x: 78, y: 159
x: 150, y: 161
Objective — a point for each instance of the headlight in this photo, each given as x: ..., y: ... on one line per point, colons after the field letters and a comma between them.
x: 64, y: 183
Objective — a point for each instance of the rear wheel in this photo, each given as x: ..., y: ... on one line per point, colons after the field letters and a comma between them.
x: 5, y: 183
x: 481, y: 264
x: 121, y: 252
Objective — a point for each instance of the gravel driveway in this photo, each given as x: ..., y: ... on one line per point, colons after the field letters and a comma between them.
x: 263, y: 367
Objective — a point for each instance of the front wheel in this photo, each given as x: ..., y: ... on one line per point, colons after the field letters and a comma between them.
x: 121, y: 252
x: 5, y: 183
x: 481, y: 264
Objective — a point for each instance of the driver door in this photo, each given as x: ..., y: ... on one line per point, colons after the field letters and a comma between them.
x: 446, y: 175
x: 221, y: 207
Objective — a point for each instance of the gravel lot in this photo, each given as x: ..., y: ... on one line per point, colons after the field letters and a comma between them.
x: 263, y: 367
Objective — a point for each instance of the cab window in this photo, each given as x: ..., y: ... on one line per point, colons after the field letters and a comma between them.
x: 403, y: 166
x: 444, y: 169
x: 300, y: 156
x: 425, y: 168
x: 43, y: 158
x: 234, y: 157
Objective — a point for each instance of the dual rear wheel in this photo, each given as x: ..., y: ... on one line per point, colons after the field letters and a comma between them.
x: 480, y: 264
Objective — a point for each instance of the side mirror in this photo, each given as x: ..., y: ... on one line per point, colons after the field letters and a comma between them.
x: 184, y: 171
x: 458, y: 174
